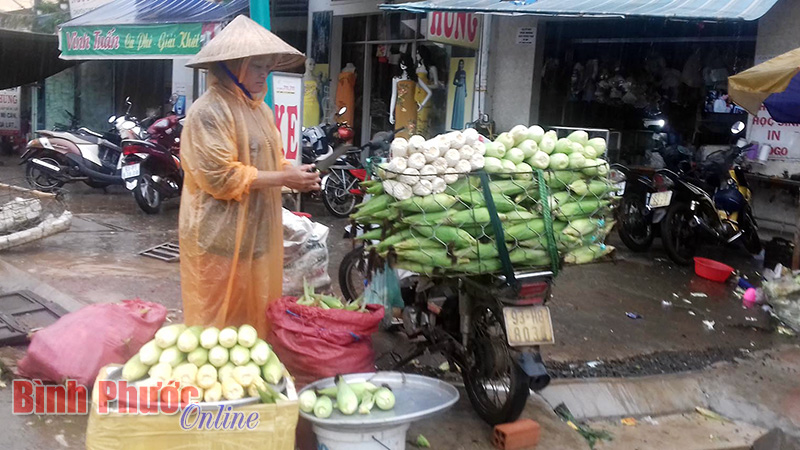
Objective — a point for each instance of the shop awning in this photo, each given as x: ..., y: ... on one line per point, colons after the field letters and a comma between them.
x: 145, y: 29
x: 28, y: 57
x: 679, y: 9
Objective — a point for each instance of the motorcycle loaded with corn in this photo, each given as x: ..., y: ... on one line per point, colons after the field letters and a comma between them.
x: 476, y: 231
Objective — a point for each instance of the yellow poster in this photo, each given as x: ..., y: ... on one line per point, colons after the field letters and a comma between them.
x: 461, y: 88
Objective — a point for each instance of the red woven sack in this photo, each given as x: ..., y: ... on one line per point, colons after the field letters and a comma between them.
x: 315, y: 343
x: 79, y: 344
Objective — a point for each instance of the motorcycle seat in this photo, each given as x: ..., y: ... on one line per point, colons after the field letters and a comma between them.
x: 84, y: 139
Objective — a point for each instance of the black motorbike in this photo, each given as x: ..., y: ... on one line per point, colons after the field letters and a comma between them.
x: 708, y: 204
x: 637, y: 222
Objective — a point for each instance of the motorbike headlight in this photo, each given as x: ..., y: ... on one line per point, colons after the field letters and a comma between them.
x: 616, y: 176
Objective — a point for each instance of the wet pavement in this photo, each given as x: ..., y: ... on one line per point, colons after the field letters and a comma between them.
x: 97, y: 261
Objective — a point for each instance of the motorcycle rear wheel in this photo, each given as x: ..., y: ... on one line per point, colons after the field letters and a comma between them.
x: 496, y: 385
x: 679, y: 237
x: 40, y: 179
x: 635, y: 230
x: 147, y: 196
x: 352, y: 273
x: 336, y: 196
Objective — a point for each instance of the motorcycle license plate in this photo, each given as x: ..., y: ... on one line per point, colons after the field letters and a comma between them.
x: 660, y: 199
x: 131, y: 171
x: 528, y: 325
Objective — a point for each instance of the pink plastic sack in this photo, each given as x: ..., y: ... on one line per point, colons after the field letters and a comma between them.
x: 315, y: 343
x: 82, y: 342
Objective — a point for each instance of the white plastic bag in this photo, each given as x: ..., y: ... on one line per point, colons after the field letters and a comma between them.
x: 307, y: 259
x: 296, y: 231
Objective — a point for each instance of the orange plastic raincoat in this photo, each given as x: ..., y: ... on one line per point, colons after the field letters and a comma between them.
x: 231, y: 237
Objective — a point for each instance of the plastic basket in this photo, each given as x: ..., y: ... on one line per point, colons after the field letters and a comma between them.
x: 712, y: 270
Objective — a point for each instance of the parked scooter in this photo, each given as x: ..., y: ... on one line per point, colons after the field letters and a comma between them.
x: 151, y: 167
x: 346, y: 169
x: 709, y: 204
x: 55, y: 158
x: 638, y: 223
x: 319, y: 141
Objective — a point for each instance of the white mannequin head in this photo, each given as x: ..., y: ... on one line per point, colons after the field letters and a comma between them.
x: 310, y: 65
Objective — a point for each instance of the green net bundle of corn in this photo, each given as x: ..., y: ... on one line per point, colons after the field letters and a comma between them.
x: 430, y: 212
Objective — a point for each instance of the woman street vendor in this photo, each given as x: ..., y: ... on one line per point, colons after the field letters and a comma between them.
x: 231, y: 235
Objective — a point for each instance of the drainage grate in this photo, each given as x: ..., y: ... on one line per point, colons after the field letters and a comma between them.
x: 168, y: 252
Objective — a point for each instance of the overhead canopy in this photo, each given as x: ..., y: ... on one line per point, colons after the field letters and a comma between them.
x: 679, y: 9
x: 145, y: 29
x: 775, y: 83
x: 28, y: 57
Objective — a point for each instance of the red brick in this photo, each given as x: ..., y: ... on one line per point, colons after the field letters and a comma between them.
x: 523, y: 433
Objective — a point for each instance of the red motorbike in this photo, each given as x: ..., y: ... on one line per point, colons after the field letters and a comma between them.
x: 346, y: 169
x: 151, y: 168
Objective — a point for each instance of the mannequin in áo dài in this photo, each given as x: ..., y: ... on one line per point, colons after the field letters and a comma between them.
x: 345, y: 93
x: 404, y: 108
x: 427, y: 77
x: 311, y: 109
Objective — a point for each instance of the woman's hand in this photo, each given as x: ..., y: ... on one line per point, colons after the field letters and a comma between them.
x: 301, y: 178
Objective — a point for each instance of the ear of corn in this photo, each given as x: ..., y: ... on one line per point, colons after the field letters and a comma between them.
x: 525, y: 230
x: 371, y: 235
x: 429, y: 203
x: 501, y: 202
x: 529, y: 256
x: 417, y: 244
x: 134, y: 369
x: 415, y: 267
x: 560, y: 179
x: 519, y: 216
x: 584, y: 255
x: 482, y: 266
x: 469, y: 216
x: 431, y: 257
x: 582, y: 227
x: 580, y: 209
x: 481, y: 250
x: 512, y: 187
x: 594, y: 187
x: 428, y: 218
x: 375, y: 204
x: 445, y: 234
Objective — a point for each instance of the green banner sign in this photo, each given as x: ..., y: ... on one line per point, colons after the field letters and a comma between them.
x: 148, y: 41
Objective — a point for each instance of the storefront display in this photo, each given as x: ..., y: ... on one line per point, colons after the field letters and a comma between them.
x: 459, y: 103
x: 311, y: 109
x: 345, y: 93
x: 405, y: 105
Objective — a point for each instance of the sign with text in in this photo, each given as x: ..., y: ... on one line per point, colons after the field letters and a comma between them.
x: 526, y: 36
x: 149, y: 41
x: 462, y: 29
x: 9, y: 111
x: 784, y: 138
x: 287, y: 91
x: 81, y: 7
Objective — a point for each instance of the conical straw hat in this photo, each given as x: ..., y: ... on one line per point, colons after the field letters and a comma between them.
x: 244, y: 38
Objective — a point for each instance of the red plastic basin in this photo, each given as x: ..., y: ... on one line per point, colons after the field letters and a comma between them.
x: 712, y: 270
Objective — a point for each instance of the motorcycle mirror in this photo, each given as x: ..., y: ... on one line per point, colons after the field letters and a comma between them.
x: 112, y: 119
x: 737, y: 127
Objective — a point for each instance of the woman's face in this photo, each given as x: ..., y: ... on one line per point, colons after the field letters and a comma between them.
x: 255, y: 77
x: 461, y: 65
